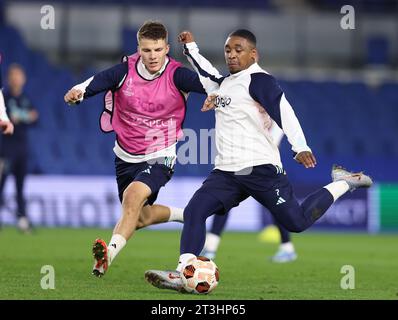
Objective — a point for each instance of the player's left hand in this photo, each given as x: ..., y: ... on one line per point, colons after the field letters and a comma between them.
x: 209, y: 103
x: 306, y: 158
x: 73, y: 96
x: 6, y: 127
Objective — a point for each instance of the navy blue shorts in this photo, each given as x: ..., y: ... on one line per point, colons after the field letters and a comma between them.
x: 268, y: 184
x: 155, y: 175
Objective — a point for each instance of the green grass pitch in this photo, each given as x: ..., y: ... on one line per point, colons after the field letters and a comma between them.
x: 245, y: 271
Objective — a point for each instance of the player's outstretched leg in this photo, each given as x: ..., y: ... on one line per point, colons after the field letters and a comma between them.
x: 134, y: 198
x: 104, y: 255
x: 315, y: 205
x: 296, y: 217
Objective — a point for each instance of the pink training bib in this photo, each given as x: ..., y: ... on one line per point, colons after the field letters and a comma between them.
x: 146, y: 115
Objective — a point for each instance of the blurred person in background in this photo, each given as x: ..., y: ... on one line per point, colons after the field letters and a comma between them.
x: 14, y: 148
x: 6, y: 125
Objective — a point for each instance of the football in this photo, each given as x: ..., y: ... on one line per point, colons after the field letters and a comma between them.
x: 200, y: 275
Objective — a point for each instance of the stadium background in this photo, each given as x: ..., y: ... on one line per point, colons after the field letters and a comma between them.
x: 343, y: 85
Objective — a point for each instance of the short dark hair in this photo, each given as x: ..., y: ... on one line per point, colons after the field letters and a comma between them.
x: 153, y: 30
x: 246, y: 34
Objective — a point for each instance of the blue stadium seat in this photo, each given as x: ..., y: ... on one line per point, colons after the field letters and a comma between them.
x: 129, y: 40
x: 378, y: 50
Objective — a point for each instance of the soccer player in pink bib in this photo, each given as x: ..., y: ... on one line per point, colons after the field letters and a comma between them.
x: 145, y: 106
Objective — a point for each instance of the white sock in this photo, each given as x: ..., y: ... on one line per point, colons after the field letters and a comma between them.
x: 176, y: 214
x: 337, y: 188
x: 287, y: 247
x: 183, y: 259
x: 115, y: 245
x: 212, y: 242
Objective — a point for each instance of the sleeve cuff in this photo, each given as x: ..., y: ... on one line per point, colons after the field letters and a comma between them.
x: 191, y: 46
x: 296, y: 152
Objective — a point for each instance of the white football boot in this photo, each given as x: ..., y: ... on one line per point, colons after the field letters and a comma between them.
x: 354, y: 180
x: 168, y: 279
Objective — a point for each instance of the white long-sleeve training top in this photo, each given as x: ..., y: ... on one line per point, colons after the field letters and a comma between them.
x: 246, y: 104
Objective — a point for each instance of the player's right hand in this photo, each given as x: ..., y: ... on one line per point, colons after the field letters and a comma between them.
x: 210, y: 103
x: 73, y: 96
x: 186, y: 37
x: 6, y: 127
